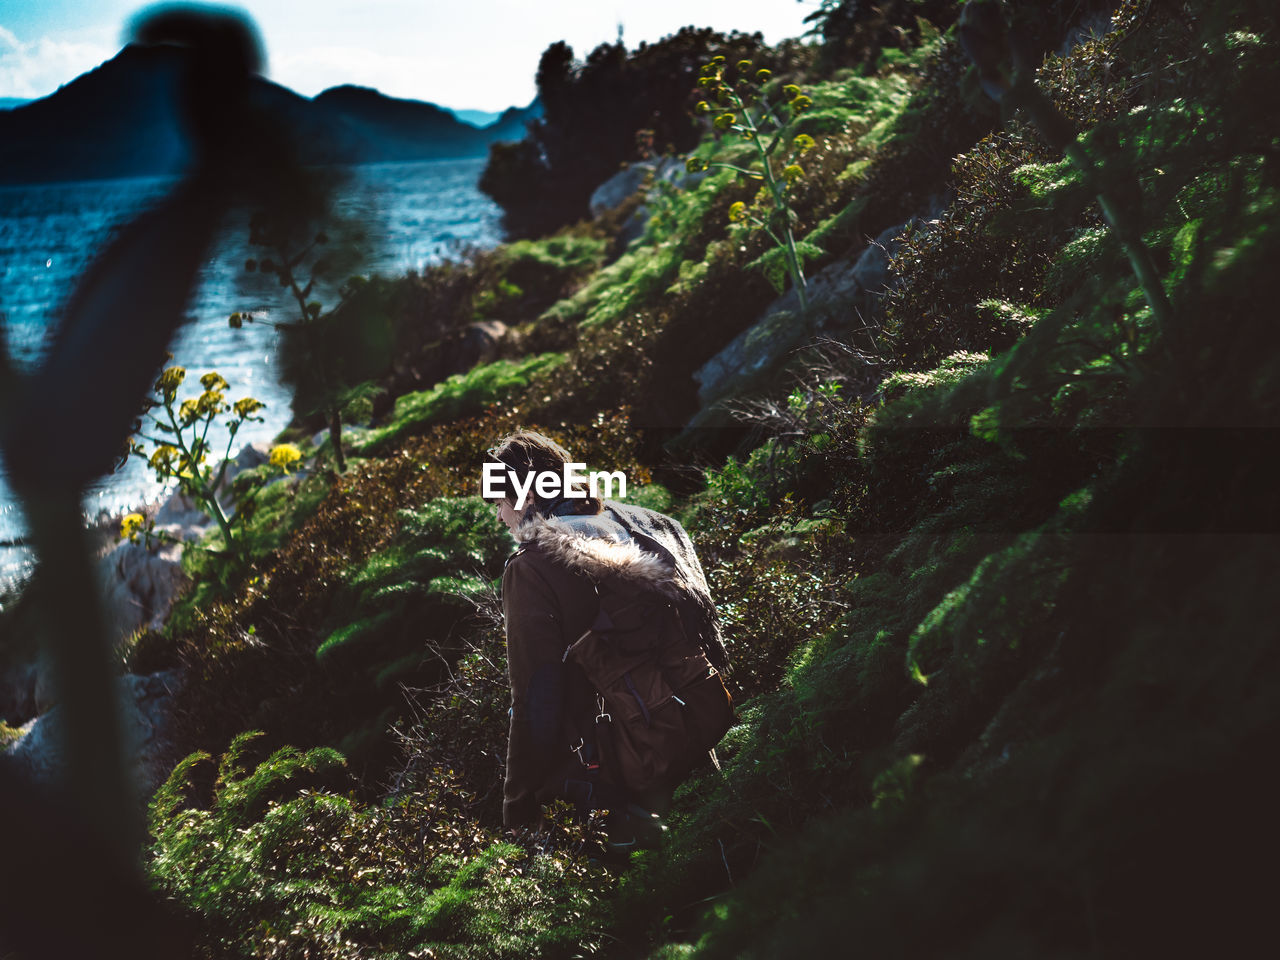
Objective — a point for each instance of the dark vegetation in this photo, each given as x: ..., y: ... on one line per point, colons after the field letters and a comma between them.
x: 599, y: 114
x: 997, y: 573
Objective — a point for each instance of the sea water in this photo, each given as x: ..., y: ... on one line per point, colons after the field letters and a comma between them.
x: 414, y: 214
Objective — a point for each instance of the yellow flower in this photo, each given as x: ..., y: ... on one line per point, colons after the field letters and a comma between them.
x: 737, y: 212
x: 189, y: 412
x: 248, y: 407
x: 284, y: 456
x: 793, y: 172
x: 213, y: 381
x: 717, y: 60
x: 763, y: 75
x: 211, y: 402
x: 169, y: 381
x: 744, y: 66
x: 791, y: 90
x: 162, y: 460
x: 130, y: 525
x: 803, y: 142
x: 236, y: 320
x: 725, y: 121
x: 695, y: 165
x: 801, y: 103
x: 702, y: 107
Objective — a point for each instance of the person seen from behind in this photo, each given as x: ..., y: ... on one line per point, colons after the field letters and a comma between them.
x: 593, y: 580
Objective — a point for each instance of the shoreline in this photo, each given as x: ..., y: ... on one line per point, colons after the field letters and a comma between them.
x: 102, y: 527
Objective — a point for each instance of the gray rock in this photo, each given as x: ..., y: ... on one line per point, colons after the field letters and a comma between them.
x: 180, y: 513
x: 623, y: 184
x: 844, y: 297
x: 250, y: 456
x: 871, y: 270
x: 139, y: 584
x: 1095, y: 26
x: 779, y: 329
x: 146, y: 712
x: 749, y: 354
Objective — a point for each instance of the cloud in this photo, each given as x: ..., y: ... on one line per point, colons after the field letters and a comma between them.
x: 37, y: 68
x: 454, y: 80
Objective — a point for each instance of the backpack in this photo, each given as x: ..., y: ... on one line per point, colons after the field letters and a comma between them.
x: 662, y: 705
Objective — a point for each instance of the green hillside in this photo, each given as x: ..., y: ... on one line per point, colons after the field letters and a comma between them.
x: 994, y: 547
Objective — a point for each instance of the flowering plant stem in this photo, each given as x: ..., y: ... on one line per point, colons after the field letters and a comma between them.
x: 779, y: 192
x: 200, y: 485
x: 765, y: 130
x: 179, y: 455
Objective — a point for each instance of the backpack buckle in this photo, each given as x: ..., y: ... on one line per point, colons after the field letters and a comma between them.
x: 602, y: 715
x: 582, y: 745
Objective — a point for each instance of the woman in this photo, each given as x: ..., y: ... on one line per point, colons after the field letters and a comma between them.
x: 566, y: 544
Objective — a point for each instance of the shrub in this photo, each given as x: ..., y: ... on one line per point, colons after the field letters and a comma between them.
x: 273, y: 870
x: 592, y: 112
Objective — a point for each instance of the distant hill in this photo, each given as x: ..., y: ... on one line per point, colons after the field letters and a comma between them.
x: 510, y: 125
x: 121, y: 120
x: 8, y: 103
x: 377, y: 127
x: 477, y: 118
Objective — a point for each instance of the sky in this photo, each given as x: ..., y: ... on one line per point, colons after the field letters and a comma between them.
x: 465, y: 54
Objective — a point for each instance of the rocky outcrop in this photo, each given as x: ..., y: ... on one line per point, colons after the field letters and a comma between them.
x: 843, y: 298
x: 139, y: 584
x: 625, y: 183
x: 146, y: 714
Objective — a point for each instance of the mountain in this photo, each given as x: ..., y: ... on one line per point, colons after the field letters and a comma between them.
x: 477, y: 118
x: 511, y: 124
x: 117, y: 120
x: 121, y: 119
x: 378, y: 127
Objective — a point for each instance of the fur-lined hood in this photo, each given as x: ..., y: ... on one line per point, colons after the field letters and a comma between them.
x: 637, y: 545
x: 600, y: 548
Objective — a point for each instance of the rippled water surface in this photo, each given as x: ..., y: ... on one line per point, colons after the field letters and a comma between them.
x: 415, y: 214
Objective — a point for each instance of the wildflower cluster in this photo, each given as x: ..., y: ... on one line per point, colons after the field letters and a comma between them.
x: 180, y: 446
x: 745, y: 106
x: 131, y: 525
x: 284, y: 456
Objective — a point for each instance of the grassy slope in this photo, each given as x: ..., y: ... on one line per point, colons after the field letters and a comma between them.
x: 1004, y: 662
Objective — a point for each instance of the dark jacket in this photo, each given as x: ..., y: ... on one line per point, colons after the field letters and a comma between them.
x: 549, y: 601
